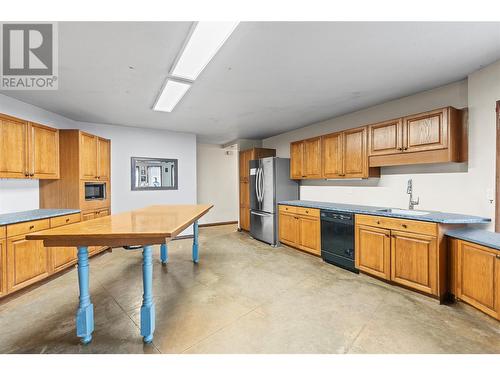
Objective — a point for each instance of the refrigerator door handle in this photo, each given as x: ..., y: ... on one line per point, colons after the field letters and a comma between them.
x: 261, y: 192
x: 258, y: 214
x: 257, y: 184
x: 261, y: 185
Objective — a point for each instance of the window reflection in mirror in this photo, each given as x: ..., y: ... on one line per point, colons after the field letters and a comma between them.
x: 154, y: 174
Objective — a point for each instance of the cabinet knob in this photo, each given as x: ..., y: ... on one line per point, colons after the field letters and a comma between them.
x: 26, y: 174
x: 307, y: 211
x: 406, y: 148
x: 378, y: 222
x: 497, y: 256
x: 404, y: 225
x: 400, y: 148
x: 32, y: 227
x: 67, y: 220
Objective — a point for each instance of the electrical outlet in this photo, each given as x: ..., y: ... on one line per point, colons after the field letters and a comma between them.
x: 490, y: 195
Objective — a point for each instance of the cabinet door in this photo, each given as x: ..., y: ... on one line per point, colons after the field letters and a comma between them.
x: 414, y: 261
x: 309, y: 235
x: 88, y: 156
x: 27, y: 262
x: 62, y: 257
x: 244, y: 206
x: 3, y: 268
x: 242, y: 167
x: 288, y: 227
x: 332, y: 155
x: 104, y: 158
x: 426, y: 131
x: 296, y: 154
x: 13, y: 148
x: 373, y: 251
x: 43, y: 152
x: 386, y: 138
x: 355, y: 158
x: 478, y: 279
x: 312, y: 158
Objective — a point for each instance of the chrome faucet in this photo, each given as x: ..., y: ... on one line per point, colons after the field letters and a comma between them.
x: 409, y: 190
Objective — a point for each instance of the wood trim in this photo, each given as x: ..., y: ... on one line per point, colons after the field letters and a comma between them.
x: 497, y: 205
x: 218, y: 223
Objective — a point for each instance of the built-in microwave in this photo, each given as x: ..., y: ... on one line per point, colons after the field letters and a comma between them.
x: 95, y: 191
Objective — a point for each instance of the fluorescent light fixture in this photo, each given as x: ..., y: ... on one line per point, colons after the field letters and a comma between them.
x: 204, y: 42
x: 171, y: 94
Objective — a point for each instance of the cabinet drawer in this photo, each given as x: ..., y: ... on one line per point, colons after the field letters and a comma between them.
x: 404, y: 225
x: 290, y: 209
x: 2, y: 232
x: 306, y: 211
x: 64, y: 220
x: 27, y: 227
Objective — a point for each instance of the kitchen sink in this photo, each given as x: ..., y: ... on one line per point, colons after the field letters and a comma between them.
x: 398, y: 211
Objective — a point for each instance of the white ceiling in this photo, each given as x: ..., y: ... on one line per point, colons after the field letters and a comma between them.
x: 269, y: 77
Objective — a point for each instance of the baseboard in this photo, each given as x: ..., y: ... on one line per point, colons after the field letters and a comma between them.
x: 217, y: 224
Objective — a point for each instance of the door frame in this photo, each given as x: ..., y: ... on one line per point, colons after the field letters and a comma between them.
x: 497, y: 179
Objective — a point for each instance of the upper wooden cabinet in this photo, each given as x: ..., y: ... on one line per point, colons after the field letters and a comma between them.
x: 386, y: 138
x: 305, y: 158
x: 436, y: 136
x: 296, y: 151
x: 88, y: 156
x: 95, y: 157
x: 333, y: 155
x: 344, y: 155
x: 311, y: 158
x: 43, y: 152
x: 103, y: 159
x: 28, y: 150
x: 355, y: 155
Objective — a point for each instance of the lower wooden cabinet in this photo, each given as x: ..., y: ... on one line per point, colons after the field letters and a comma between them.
x: 63, y: 257
x: 403, y: 251
x: 373, y: 251
x: 95, y: 214
x: 27, y: 262
x: 478, y: 277
x: 300, y: 228
x: 24, y: 262
x: 413, y: 261
x: 3, y: 267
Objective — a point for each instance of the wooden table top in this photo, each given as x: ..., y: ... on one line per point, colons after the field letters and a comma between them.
x: 151, y: 225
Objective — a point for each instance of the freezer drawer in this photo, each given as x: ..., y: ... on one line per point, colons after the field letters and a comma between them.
x: 262, y: 226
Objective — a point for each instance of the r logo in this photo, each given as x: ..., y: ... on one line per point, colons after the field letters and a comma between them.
x: 27, y: 49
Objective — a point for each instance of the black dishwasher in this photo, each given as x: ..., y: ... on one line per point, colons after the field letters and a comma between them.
x: 337, y: 239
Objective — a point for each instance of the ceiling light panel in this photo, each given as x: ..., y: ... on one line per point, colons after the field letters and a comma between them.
x: 204, y: 42
x: 171, y: 95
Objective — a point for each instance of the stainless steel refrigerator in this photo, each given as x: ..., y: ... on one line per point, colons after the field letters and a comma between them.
x: 270, y: 183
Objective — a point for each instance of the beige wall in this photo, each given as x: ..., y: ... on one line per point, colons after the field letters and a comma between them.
x: 460, y: 188
x: 217, y: 181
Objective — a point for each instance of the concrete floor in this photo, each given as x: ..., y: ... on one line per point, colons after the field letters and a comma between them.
x: 243, y: 297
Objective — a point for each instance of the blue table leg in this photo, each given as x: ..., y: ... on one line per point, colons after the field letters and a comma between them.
x: 196, y: 257
x: 147, y: 308
x: 85, y: 312
x: 164, y: 253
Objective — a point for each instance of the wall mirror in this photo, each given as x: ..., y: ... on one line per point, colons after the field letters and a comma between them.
x: 154, y: 174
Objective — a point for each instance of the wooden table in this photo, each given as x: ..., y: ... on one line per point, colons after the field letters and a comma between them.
x: 143, y: 228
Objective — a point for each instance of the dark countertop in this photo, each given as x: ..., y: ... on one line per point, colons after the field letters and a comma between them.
x: 43, y: 213
x: 478, y: 236
x: 432, y: 216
